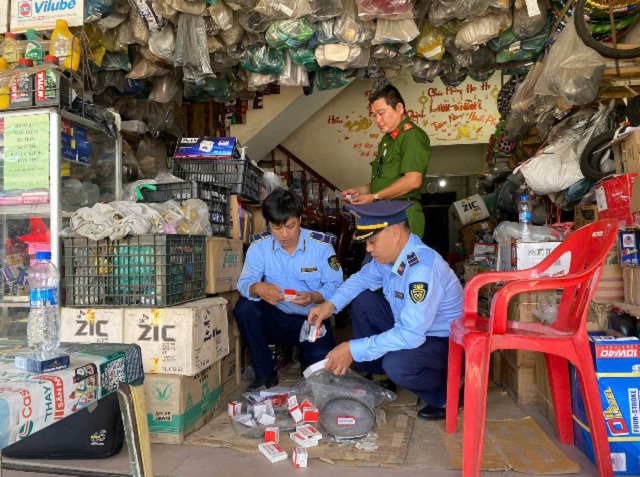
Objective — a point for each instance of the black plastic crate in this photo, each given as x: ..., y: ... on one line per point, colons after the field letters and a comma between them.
x: 240, y: 176
x: 143, y: 270
x: 217, y: 199
x: 177, y: 191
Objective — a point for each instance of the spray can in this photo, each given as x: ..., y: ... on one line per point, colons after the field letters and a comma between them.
x: 21, y: 89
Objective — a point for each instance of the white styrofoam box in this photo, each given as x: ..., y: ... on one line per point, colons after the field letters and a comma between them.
x: 182, y: 339
x: 92, y: 325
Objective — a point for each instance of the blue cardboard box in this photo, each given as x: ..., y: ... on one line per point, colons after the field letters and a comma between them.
x: 208, y: 148
x: 617, y: 363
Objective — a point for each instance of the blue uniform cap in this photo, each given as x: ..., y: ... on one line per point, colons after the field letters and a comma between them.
x: 372, y: 218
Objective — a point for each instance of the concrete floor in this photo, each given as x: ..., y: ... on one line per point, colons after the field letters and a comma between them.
x: 196, y: 461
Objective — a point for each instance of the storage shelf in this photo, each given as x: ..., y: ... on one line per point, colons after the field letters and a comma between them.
x: 26, y: 209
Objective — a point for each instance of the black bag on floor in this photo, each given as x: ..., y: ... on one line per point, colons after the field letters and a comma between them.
x: 82, y: 435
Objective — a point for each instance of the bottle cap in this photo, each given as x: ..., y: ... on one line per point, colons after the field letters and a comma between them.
x: 10, y: 35
x: 51, y: 59
x: 43, y: 255
x: 524, y: 197
x: 32, y: 32
x: 24, y: 61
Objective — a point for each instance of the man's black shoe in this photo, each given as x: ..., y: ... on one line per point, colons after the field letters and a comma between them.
x: 385, y: 383
x: 430, y: 413
x: 268, y: 382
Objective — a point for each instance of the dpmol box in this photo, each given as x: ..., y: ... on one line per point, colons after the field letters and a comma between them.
x: 617, y: 363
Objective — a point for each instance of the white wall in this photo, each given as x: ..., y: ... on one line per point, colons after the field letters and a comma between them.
x: 340, y: 140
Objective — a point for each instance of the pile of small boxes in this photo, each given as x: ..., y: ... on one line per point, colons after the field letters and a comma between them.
x: 262, y: 413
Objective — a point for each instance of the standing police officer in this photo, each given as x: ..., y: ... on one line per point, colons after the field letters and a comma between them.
x: 288, y: 257
x: 402, y: 160
x: 404, y: 335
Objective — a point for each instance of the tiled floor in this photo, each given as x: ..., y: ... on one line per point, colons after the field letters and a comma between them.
x: 194, y: 461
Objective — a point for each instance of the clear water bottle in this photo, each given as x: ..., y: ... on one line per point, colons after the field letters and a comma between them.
x: 43, y: 325
x: 524, y: 209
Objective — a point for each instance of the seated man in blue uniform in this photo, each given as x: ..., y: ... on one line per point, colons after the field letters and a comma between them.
x: 405, y: 333
x: 288, y: 257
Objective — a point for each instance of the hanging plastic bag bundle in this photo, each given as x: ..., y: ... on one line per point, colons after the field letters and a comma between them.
x: 395, y: 31
x: 349, y: 28
x: 293, y: 74
x: 385, y: 9
x: 264, y: 60
x: 325, y: 9
x: 289, y: 33
x: 283, y: 9
x: 221, y: 14
x: 572, y: 70
x: 529, y: 18
x: 150, y: 18
x: 304, y: 57
x: 331, y: 78
x: 430, y: 42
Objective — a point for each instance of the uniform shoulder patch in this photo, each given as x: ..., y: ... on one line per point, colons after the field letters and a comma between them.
x: 412, y: 259
x: 407, y: 126
x: 258, y: 237
x: 401, y: 269
x: 334, y: 263
x: 320, y: 237
x: 418, y: 291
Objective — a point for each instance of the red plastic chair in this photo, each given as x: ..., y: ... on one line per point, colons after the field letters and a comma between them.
x: 565, y: 340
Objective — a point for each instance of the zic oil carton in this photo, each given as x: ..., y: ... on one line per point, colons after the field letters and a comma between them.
x: 92, y: 325
x: 617, y: 364
x: 180, y: 405
x: 182, y: 339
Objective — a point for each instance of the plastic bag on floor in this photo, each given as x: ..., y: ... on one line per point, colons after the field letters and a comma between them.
x: 395, y: 31
x: 325, y: 9
x: 264, y: 60
x: 281, y: 9
x: 572, y: 71
x: 525, y: 26
x: 430, y: 42
x: 286, y: 33
x: 351, y: 29
x: 293, y: 74
x: 385, y: 9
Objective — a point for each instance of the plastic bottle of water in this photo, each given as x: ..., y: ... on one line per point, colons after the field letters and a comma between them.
x: 524, y: 209
x: 43, y: 326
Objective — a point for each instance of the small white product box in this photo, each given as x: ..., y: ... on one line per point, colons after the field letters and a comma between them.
x: 272, y: 451
x: 300, y: 457
x: 234, y: 408
x: 272, y: 434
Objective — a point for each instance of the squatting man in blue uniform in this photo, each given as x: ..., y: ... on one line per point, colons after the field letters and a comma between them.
x: 404, y: 334
x: 288, y: 257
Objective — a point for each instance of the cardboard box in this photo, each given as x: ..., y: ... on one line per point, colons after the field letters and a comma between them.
x: 469, y: 210
x: 184, y: 339
x: 180, y: 405
x: 230, y: 373
x: 523, y: 255
x: 519, y: 382
x: 610, y: 288
x: 544, y: 398
x: 232, y: 298
x: 626, y: 153
x: 628, y: 245
x: 42, y: 14
x: 583, y: 215
x: 224, y: 264
x: 617, y: 364
x: 613, y: 197
x: 208, y: 148
x: 92, y: 325
x: 631, y: 280
x: 472, y: 232
x: 4, y: 17
x: 529, y: 306
x: 246, y: 220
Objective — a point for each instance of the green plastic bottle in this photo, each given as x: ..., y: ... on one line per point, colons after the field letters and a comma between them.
x: 34, y: 50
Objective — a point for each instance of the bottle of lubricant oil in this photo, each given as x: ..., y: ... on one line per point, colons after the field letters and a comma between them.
x: 46, y: 83
x: 21, y: 89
